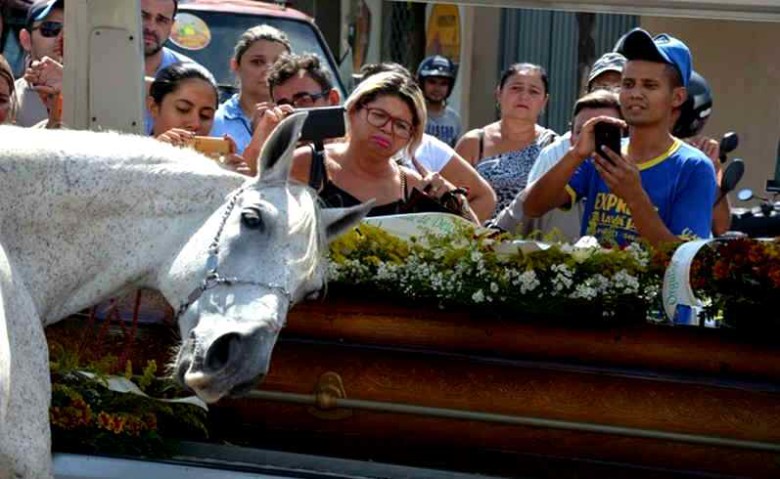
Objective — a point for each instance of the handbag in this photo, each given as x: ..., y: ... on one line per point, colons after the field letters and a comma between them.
x: 453, y: 202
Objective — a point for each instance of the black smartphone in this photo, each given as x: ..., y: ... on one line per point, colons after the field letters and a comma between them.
x: 609, y: 135
x: 323, y: 123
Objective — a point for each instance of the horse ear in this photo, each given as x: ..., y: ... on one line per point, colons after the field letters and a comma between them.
x: 339, y: 220
x: 276, y: 157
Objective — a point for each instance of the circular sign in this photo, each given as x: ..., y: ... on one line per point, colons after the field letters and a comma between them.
x: 190, y: 32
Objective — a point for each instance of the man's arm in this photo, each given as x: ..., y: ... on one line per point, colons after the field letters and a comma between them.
x: 648, y: 223
x: 549, y: 191
x: 721, y: 216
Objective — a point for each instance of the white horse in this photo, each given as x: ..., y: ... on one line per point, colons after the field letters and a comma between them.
x: 85, y: 215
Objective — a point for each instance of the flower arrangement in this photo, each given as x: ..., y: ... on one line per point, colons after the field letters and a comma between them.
x: 741, y: 277
x: 578, y: 285
x: 87, y: 417
x: 493, y: 272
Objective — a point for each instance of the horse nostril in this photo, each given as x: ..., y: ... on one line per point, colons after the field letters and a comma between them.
x: 218, y: 354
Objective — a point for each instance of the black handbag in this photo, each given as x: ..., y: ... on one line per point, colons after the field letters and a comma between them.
x: 453, y: 202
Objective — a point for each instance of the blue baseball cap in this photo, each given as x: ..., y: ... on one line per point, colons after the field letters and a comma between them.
x: 639, y: 45
x: 41, y: 9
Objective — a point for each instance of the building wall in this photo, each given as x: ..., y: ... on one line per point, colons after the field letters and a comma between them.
x: 479, y: 70
x: 741, y: 62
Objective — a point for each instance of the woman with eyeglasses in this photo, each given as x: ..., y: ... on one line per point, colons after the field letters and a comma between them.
x: 385, y: 114
x: 504, y: 152
x: 255, y: 52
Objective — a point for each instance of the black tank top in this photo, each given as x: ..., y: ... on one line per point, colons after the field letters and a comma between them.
x: 335, y: 197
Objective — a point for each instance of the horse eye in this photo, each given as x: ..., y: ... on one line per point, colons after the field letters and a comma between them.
x: 252, y: 218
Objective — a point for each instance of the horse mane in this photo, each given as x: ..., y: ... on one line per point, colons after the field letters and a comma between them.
x: 311, y: 221
x: 85, y: 164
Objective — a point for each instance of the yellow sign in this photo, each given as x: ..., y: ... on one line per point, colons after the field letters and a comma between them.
x: 190, y: 32
x: 443, y: 34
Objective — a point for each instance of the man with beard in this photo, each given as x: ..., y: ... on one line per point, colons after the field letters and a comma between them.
x: 42, y: 38
x: 157, y: 18
x: 658, y: 189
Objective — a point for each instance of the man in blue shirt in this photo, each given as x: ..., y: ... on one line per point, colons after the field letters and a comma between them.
x: 658, y: 188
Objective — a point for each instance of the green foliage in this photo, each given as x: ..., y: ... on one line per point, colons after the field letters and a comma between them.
x: 87, y: 417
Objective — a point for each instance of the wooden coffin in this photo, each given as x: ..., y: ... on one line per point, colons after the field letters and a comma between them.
x: 461, y: 390
x: 422, y: 386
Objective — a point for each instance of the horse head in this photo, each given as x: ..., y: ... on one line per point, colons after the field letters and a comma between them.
x: 259, y: 254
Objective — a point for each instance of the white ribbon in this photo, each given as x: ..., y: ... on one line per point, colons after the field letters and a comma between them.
x: 125, y: 386
x: 680, y: 305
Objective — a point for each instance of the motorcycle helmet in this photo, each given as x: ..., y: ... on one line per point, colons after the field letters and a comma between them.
x: 696, y: 109
x: 437, y: 66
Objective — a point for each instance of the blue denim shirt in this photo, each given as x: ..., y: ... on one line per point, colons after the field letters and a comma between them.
x: 231, y: 120
x: 169, y: 57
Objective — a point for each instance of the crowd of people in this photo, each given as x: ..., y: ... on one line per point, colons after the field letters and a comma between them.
x: 405, y: 147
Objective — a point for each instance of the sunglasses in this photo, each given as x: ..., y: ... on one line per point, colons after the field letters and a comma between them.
x: 303, y: 99
x: 49, y: 29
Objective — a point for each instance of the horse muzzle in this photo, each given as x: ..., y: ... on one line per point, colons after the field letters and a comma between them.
x: 231, y: 364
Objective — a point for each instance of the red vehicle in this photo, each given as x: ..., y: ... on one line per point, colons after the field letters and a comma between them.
x: 207, y: 31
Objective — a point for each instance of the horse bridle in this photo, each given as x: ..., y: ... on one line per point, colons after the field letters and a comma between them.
x: 213, y: 278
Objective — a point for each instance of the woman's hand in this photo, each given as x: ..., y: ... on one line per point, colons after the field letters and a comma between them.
x: 234, y: 161
x: 438, y: 187
x: 177, y: 137
x: 433, y: 183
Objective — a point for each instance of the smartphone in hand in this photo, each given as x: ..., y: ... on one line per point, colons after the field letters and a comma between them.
x: 211, y: 146
x: 609, y: 135
x: 323, y: 123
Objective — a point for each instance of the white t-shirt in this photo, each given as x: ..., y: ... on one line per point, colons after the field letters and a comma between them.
x: 432, y: 153
x: 565, y: 222
x: 550, y: 156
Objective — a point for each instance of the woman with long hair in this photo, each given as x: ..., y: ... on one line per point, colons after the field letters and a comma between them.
x: 503, y: 152
x: 255, y: 52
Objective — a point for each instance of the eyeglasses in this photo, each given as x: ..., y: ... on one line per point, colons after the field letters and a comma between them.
x: 378, y: 117
x: 303, y: 99
x: 49, y: 29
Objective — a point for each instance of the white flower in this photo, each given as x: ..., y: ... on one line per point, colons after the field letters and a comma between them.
x: 528, y: 281
x: 493, y: 287
x: 625, y: 282
x: 584, y: 291
x: 639, y: 253
x: 478, y: 297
